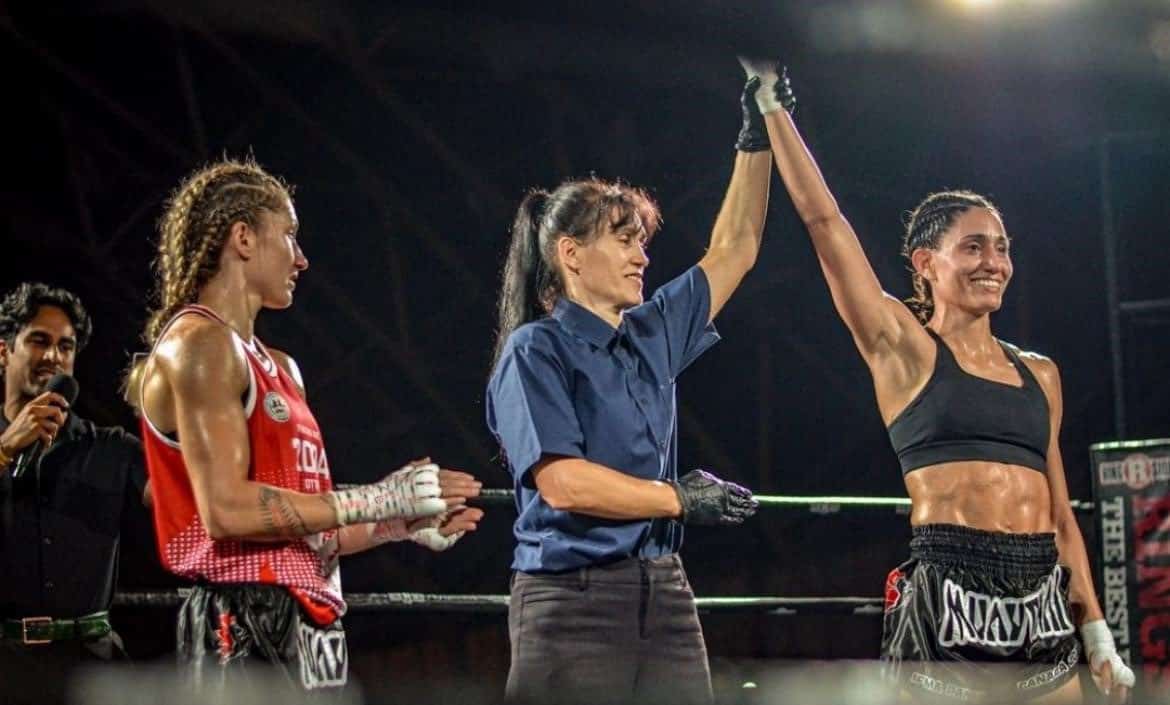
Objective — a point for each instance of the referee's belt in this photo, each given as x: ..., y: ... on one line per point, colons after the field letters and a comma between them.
x: 44, y: 630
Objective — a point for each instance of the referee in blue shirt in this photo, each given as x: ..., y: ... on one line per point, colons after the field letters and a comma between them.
x: 582, y: 401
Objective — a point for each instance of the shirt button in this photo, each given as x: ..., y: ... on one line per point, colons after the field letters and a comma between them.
x: 662, y: 445
x: 48, y: 540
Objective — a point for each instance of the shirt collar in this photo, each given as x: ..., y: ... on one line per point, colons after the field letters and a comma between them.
x: 585, y: 324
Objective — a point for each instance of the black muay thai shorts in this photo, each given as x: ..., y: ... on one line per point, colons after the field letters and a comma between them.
x: 978, y: 616
x: 237, y: 636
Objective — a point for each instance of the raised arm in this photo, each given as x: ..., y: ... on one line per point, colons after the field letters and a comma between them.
x: 735, y: 238
x: 878, y: 322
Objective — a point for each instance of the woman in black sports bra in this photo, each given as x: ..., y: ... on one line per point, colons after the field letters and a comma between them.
x: 985, y: 608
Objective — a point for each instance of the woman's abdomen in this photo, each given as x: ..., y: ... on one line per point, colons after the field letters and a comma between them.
x: 981, y: 495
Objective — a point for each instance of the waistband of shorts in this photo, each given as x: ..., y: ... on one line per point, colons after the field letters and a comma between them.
x: 216, y: 586
x: 1010, y: 555
x: 242, y: 592
x: 627, y: 571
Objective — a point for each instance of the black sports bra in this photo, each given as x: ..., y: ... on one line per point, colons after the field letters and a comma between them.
x: 959, y: 416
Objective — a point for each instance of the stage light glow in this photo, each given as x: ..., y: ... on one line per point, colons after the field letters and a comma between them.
x: 978, y: 5
x: 1014, y: 6
x: 1160, y: 41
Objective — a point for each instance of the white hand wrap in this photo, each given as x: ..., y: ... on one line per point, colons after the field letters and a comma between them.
x: 407, y: 493
x: 430, y: 537
x: 1099, y: 649
x: 388, y: 531
x: 769, y: 77
x: 426, y: 535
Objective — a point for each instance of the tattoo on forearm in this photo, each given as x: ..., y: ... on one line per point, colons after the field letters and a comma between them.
x: 280, y: 516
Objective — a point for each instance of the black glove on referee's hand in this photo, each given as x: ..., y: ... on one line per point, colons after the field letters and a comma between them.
x: 708, y: 501
x: 774, y: 89
x: 753, y: 136
x: 784, y: 95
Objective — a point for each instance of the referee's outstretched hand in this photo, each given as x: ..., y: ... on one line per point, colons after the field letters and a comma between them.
x: 708, y: 501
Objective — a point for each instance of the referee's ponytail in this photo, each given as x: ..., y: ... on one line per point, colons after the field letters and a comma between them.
x: 526, y: 271
x: 532, y: 279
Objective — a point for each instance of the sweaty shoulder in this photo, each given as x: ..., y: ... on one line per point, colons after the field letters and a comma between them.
x: 1042, y: 366
x: 197, y: 351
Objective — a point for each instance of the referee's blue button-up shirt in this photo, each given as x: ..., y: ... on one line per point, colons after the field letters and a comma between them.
x: 572, y: 385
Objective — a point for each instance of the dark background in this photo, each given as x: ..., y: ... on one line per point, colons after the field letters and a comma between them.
x: 411, y: 130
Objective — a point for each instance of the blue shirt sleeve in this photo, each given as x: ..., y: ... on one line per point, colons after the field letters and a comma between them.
x: 530, y: 410
x: 681, y: 308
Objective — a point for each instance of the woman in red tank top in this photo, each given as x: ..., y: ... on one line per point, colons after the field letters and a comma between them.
x: 243, y: 498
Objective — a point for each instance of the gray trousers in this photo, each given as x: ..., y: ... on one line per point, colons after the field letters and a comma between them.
x: 624, y: 632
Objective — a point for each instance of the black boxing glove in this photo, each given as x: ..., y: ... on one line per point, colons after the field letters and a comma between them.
x: 753, y: 136
x: 708, y: 501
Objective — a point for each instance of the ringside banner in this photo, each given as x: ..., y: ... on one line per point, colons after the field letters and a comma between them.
x: 1131, y: 486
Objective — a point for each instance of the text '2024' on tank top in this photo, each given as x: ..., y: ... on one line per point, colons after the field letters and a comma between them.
x: 959, y: 417
x: 286, y: 451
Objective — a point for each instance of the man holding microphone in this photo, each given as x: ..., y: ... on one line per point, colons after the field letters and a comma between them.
x: 64, y: 487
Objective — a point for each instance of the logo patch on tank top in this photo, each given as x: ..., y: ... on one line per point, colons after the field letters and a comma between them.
x: 276, y: 407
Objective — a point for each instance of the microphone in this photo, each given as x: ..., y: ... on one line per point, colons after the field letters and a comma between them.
x: 67, y: 387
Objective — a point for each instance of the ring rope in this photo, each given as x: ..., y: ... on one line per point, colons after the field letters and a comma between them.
x: 498, y: 604
x: 815, y: 503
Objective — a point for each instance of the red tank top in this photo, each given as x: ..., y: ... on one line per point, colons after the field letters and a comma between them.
x: 287, y: 451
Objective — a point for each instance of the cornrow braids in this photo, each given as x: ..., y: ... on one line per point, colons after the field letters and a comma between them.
x: 195, y: 225
x: 924, y: 230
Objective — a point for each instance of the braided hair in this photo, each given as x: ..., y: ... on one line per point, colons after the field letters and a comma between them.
x: 925, y: 229
x: 198, y: 218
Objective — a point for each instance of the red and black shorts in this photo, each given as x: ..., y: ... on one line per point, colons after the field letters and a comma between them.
x: 248, y: 635
x: 979, y: 616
